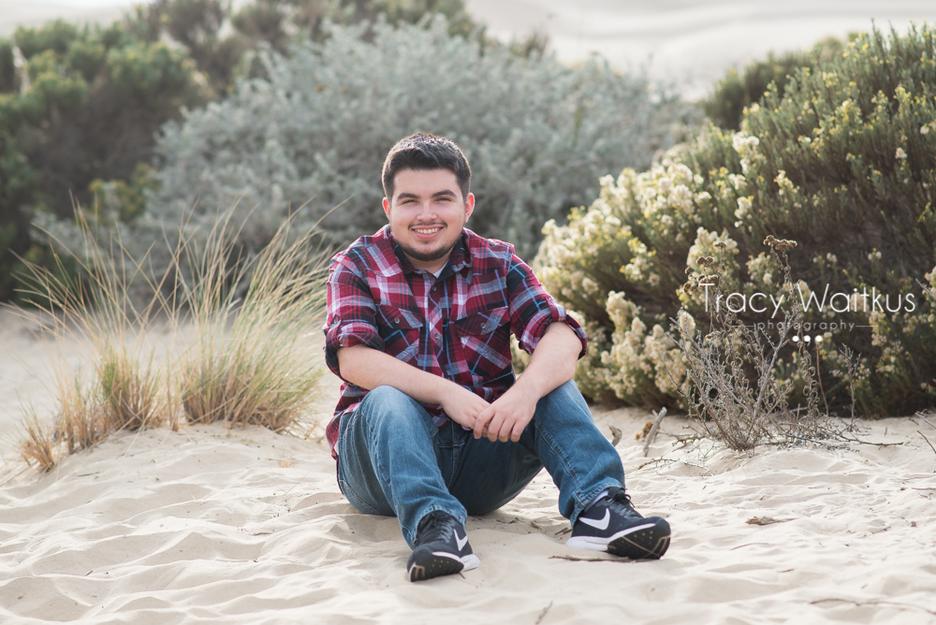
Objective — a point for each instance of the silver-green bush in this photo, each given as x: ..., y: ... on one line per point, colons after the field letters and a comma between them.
x: 313, y: 135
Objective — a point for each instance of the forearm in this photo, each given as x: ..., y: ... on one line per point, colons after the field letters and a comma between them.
x: 370, y: 368
x: 553, y: 361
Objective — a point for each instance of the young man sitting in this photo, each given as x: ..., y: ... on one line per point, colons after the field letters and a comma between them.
x: 432, y: 424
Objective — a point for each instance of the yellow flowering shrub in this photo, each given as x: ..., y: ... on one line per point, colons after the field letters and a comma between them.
x: 842, y: 161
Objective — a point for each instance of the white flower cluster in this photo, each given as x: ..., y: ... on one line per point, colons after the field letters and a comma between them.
x: 746, y: 147
x: 723, y: 250
x: 666, y: 188
x: 761, y: 269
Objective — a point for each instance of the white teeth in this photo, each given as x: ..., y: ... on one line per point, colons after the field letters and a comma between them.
x: 427, y: 230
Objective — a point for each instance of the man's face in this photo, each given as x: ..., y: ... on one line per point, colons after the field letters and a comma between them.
x: 427, y: 214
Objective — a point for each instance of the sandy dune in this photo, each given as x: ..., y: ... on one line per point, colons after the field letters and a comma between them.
x: 688, y: 43
x: 210, y: 525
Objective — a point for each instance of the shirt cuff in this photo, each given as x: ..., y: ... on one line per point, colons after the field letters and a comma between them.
x: 538, y: 324
x: 349, y: 335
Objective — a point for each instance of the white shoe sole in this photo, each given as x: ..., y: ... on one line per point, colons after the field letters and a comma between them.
x: 440, y: 563
x: 471, y: 561
x: 601, y: 544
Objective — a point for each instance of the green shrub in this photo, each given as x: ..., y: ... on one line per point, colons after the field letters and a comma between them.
x: 83, y: 106
x: 80, y: 106
x: 844, y: 163
x: 537, y: 133
x: 740, y: 89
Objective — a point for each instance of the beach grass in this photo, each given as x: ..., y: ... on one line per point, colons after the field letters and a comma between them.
x: 249, y: 364
x: 231, y: 334
x: 38, y: 446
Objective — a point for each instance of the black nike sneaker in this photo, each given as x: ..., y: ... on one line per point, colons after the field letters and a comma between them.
x: 611, y: 524
x: 441, y: 548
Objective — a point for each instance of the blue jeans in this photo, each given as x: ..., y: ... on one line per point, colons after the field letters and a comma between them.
x: 394, y: 462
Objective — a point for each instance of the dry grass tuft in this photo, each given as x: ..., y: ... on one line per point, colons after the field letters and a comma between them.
x: 94, y: 295
x: 129, y: 392
x: 245, y: 363
x: 247, y: 366
x: 39, y: 445
x: 80, y: 422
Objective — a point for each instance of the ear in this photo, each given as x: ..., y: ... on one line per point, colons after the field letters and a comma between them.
x: 469, y: 205
x: 385, y: 203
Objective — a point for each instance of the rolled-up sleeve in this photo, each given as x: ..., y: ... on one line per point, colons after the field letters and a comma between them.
x: 532, y: 308
x: 351, y: 313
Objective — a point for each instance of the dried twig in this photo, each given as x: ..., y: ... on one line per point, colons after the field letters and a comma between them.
x: 859, y: 604
x: 855, y: 439
x: 681, y: 441
x: 920, y: 416
x: 542, y: 614
x: 574, y: 559
x: 655, y: 461
x: 765, y: 520
x: 654, y: 430
x: 927, y: 441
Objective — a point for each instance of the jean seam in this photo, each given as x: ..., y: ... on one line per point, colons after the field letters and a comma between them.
x: 379, y: 469
x: 559, y: 454
x: 382, y: 473
x: 360, y: 502
x: 580, y: 500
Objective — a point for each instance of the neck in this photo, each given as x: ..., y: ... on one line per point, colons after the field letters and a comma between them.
x: 428, y: 265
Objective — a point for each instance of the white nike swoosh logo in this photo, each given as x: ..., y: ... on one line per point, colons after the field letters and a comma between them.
x: 602, y: 524
x: 462, y: 541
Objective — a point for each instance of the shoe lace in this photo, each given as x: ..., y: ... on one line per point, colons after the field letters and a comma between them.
x: 621, y: 496
x: 435, y: 526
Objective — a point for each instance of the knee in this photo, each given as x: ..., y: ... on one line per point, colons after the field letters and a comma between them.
x: 386, y: 405
x: 563, y: 400
x: 385, y: 395
x: 564, y: 394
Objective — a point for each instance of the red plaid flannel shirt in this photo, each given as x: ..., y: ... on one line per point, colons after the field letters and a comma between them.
x: 456, y: 326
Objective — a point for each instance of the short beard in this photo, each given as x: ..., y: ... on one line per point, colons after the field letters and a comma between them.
x: 426, y: 257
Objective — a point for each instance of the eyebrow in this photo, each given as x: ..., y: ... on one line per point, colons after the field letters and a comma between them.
x: 437, y: 194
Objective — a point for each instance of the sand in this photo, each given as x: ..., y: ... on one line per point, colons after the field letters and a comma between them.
x: 210, y: 525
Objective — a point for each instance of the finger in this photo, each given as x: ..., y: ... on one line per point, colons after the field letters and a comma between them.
x: 481, y: 421
x: 517, y: 431
x: 494, y: 428
x: 503, y: 434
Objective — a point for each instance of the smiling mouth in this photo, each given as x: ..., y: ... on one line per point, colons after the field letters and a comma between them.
x: 427, y: 231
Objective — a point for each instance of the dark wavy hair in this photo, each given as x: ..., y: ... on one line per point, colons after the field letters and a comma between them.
x: 424, y: 150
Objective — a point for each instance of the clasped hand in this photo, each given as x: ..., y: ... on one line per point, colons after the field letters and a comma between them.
x: 501, y: 420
